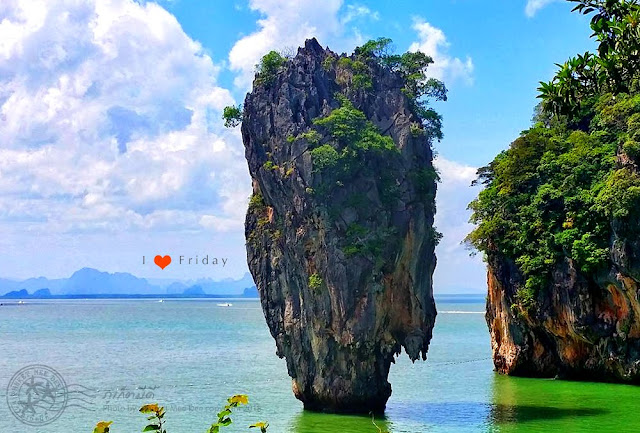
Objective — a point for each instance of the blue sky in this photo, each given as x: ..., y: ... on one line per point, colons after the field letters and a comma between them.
x: 112, y: 147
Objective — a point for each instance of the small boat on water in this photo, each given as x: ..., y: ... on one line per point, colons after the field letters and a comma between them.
x: 225, y: 304
x: 161, y: 300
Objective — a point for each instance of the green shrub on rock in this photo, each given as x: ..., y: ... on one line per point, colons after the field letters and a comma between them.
x: 325, y: 156
x: 315, y: 281
x: 232, y: 116
x: 269, y: 66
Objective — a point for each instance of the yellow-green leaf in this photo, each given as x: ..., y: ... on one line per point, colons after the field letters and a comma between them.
x: 239, y: 399
x: 150, y: 408
x: 102, y: 427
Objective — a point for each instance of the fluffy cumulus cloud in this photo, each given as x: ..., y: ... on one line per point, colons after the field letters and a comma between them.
x: 359, y: 11
x: 533, y: 6
x: 432, y: 41
x: 110, y: 130
x: 110, y: 121
x: 456, y: 271
x: 287, y: 23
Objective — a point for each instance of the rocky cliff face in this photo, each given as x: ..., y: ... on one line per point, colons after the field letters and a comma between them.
x: 342, y: 256
x: 559, y: 224
x: 584, y: 326
x: 559, y: 218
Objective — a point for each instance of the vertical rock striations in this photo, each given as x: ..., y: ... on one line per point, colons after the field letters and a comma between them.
x: 339, y: 230
x: 585, y: 326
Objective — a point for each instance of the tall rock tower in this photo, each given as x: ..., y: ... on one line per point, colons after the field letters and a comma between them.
x: 340, y: 237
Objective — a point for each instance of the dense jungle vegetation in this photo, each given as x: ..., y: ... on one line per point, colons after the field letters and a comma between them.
x: 563, y: 186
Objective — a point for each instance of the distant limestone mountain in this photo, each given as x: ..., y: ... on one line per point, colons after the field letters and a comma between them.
x: 17, y: 294
x: 92, y: 282
x: 23, y: 294
x: 31, y: 285
x: 175, y: 288
x: 250, y: 292
x: 42, y: 293
x: 88, y: 281
x: 194, y: 291
x: 226, y: 286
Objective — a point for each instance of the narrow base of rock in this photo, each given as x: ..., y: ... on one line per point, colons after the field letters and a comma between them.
x: 344, y: 402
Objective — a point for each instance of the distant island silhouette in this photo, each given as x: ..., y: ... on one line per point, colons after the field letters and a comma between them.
x: 92, y: 283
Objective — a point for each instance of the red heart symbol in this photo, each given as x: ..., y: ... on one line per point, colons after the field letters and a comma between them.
x: 163, y: 262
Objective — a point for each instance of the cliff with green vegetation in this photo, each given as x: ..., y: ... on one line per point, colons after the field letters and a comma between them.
x: 558, y: 218
x: 340, y: 237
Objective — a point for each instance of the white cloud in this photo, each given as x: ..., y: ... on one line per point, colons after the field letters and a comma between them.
x: 433, y: 42
x: 110, y: 120
x: 358, y: 11
x: 533, y: 6
x: 456, y: 270
x: 287, y: 23
x: 221, y: 224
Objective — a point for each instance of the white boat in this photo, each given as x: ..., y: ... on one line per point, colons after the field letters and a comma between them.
x: 161, y: 300
x: 20, y: 302
x: 225, y: 304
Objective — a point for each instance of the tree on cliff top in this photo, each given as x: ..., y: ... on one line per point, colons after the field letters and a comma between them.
x: 615, y: 68
x: 419, y: 88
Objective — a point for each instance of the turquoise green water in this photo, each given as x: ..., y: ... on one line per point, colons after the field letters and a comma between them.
x: 195, y: 353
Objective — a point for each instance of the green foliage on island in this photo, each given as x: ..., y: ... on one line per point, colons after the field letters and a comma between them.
x: 256, y: 202
x: 156, y: 414
x: 232, y: 116
x: 315, y: 281
x: 412, y: 66
x: 543, y: 201
x: 614, y: 69
x: 269, y: 66
x: 351, y: 137
x: 423, y: 180
x: 325, y: 156
x: 350, y: 129
x: 361, y: 78
x: 266, y: 72
x: 269, y: 165
x: 560, y: 188
x: 311, y: 136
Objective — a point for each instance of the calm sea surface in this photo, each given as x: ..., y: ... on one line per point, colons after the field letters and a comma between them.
x: 189, y: 355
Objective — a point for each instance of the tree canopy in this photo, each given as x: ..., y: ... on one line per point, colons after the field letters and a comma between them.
x: 232, y: 116
x: 419, y: 88
x: 614, y: 68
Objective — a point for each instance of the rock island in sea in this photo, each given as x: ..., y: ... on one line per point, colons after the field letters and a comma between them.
x: 559, y: 219
x: 340, y: 236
